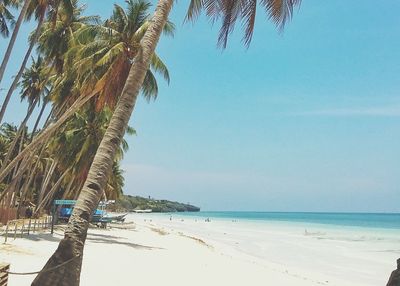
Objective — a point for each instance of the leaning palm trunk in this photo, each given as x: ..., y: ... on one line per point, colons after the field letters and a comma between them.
x: 13, y: 38
x: 21, y: 144
x: 68, y: 188
x: 51, y: 193
x: 18, y: 136
x: 22, y: 68
x: 32, y: 176
x: 35, y: 127
x: 46, y: 181
x: 45, y: 134
x: 70, y: 248
x: 14, y: 182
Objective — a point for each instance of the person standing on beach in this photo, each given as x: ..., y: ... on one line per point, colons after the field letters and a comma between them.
x: 394, y: 279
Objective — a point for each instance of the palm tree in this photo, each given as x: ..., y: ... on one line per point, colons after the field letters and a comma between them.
x: 71, y: 247
x: 33, y: 89
x: 102, y: 55
x: 59, y: 31
x: 6, y: 17
x: 231, y: 11
x: 7, y: 134
x: 80, y: 139
x: 98, y: 72
x: 116, y: 61
x: 113, y: 189
x: 56, y: 35
x: 13, y: 136
x: 39, y: 8
x: 13, y: 38
x: 54, y: 43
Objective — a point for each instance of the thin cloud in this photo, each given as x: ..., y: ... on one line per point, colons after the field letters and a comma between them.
x: 386, y: 111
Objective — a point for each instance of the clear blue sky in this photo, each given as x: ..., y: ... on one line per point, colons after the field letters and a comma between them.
x: 307, y: 120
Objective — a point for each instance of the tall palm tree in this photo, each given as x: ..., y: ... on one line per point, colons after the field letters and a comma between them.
x: 6, y: 17
x: 71, y: 247
x: 56, y: 35
x: 98, y: 72
x: 33, y: 89
x: 39, y: 9
x: 60, y: 32
x: 54, y: 42
x: 10, y: 46
x: 102, y: 55
x: 232, y: 11
x: 80, y: 139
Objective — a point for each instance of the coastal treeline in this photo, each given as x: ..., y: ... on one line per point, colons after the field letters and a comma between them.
x: 79, y: 67
x: 132, y: 203
x: 84, y: 74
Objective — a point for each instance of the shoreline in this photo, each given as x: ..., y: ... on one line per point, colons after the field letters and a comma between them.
x: 154, y: 250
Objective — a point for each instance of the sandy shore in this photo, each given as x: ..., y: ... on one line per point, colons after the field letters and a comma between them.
x: 163, y: 252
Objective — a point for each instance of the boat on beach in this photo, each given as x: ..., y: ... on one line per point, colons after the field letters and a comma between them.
x: 143, y: 211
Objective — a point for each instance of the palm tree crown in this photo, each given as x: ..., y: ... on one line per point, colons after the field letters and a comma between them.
x: 6, y: 17
x: 231, y: 11
x: 101, y: 56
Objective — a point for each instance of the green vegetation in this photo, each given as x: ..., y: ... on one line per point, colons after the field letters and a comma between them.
x: 76, y: 77
x: 130, y: 203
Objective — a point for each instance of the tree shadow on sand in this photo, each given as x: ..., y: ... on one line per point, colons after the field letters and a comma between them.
x: 103, y: 238
x: 41, y: 236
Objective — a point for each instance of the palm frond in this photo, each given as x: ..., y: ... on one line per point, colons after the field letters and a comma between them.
x: 111, y: 54
x: 150, y: 87
x: 280, y: 11
x: 158, y: 66
x: 230, y: 11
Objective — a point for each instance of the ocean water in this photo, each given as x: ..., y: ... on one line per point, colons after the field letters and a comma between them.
x: 359, y: 220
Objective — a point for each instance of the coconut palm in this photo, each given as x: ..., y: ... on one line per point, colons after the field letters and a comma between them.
x: 232, y: 11
x: 79, y: 139
x: 38, y: 9
x: 72, y: 244
x: 102, y: 56
x: 54, y: 40
x: 7, y: 134
x: 113, y: 189
x: 33, y: 89
x: 10, y: 46
x: 101, y: 78
x: 6, y: 17
x: 66, y: 23
x: 13, y: 136
x: 55, y: 37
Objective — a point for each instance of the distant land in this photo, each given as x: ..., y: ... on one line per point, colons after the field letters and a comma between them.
x: 131, y: 203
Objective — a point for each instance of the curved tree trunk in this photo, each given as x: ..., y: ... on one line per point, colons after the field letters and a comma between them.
x: 11, y: 186
x: 75, y: 235
x: 38, y: 120
x: 51, y: 193
x: 22, y: 68
x: 13, y: 38
x: 21, y: 144
x: 46, y: 181
x: 45, y: 134
x: 32, y: 175
x: 19, y: 133
x: 67, y: 190
x: 21, y: 128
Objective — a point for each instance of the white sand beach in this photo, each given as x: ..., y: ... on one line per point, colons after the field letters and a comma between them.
x: 152, y: 250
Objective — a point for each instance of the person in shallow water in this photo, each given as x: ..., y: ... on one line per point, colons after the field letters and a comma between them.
x: 394, y: 279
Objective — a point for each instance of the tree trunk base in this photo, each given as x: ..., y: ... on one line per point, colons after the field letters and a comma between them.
x: 64, y: 266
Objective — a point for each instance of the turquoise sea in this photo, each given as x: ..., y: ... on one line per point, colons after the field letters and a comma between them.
x: 368, y: 220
